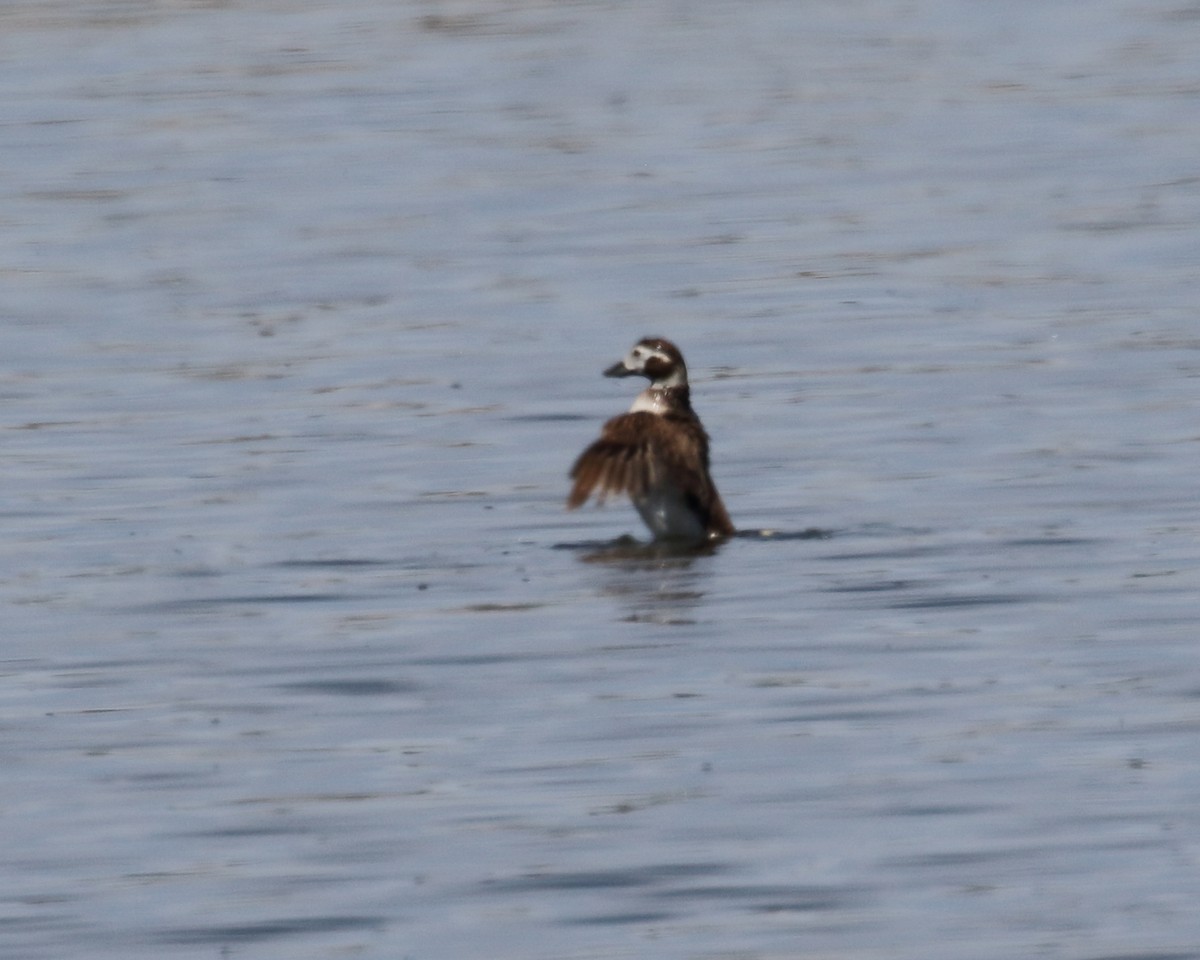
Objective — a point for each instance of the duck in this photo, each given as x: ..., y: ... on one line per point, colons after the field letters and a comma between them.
x: 656, y: 453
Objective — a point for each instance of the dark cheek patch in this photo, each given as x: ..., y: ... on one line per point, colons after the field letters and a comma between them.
x: 657, y: 367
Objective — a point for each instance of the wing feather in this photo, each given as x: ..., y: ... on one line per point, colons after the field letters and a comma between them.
x: 636, y: 452
x: 620, y: 462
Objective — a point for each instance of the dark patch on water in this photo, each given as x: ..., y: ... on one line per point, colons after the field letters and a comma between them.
x: 627, y: 547
x: 234, y: 833
x: 547, y: 417
x: 938, y: 810
x: 845, y: 716
x: 270, y: 929
x: 963, y: 858
x: 500, y: 607
x: 642, y: 547
x: 877, y: 586
x: 1052, y: 542
x: 965, y: 600
x: 211, y: 603
x: 773, y: 898
x: 616, y: 919
x: 893, y: 553
x: 604, y: 879
x: 481, y: 660
x: 349, y: 687
x: 330, y: 563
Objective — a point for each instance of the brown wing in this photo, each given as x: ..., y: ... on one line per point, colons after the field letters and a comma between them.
x: 638, y: 451
x: 624, y: 460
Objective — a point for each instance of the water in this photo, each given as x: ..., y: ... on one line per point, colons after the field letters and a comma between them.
x: 306, y: 307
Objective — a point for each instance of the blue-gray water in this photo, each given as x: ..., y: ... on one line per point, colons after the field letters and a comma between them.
x: 305, y: 306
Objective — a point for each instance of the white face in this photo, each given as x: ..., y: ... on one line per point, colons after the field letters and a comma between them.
x: 659, y: 362
x: 637, y: 357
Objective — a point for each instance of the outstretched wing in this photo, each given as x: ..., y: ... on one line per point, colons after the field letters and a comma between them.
x: 621, y: 461
x: 635, y: 453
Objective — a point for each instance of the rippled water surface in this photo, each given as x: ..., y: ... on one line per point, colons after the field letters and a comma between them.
x: 305, y: 310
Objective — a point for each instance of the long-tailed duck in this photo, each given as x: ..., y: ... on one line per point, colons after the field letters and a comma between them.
x: 657, y: 453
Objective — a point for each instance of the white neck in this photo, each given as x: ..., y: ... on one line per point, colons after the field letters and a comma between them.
x: 649, y: 400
